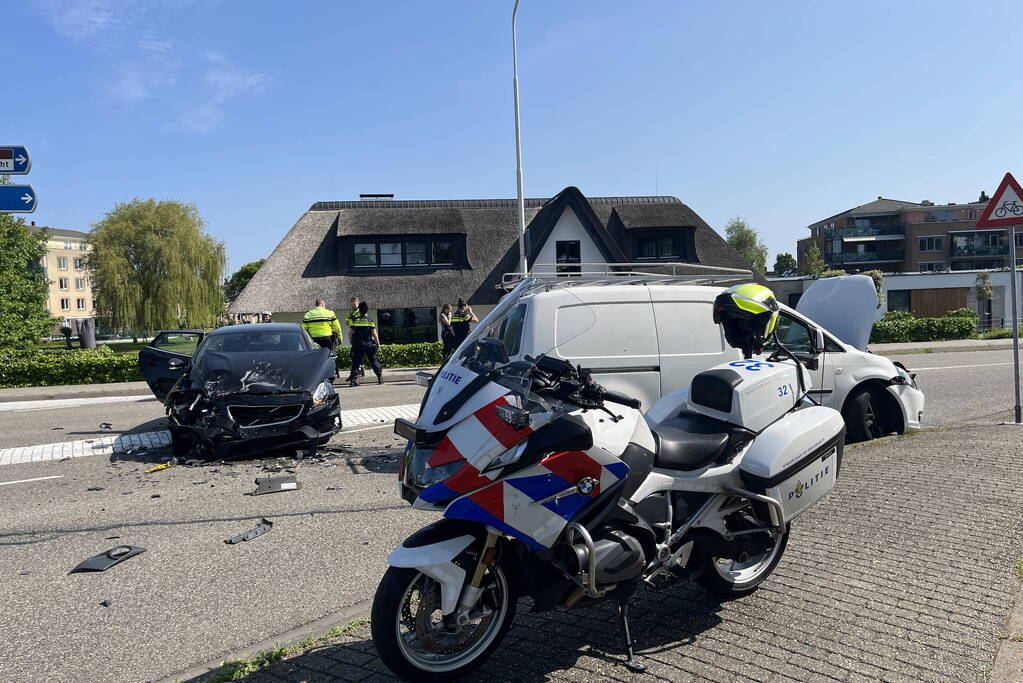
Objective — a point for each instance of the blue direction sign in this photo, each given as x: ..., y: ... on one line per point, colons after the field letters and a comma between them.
x: 14, y: 161
x: 17, y: 199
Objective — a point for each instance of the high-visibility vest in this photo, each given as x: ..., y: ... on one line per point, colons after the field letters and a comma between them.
x: 321, y: 322
x: 465, y: 317
x: 361, y: 328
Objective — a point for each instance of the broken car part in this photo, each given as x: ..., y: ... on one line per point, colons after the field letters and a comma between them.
x: 276, y: 484
x: 264, y: 526
x: 160, y: 467
x: 106, y: 560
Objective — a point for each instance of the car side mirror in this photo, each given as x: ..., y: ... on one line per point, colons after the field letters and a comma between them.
x: 818, y: 340
x: 175, y: 364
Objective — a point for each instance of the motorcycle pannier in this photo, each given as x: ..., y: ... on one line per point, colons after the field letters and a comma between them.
x: 796, y: 460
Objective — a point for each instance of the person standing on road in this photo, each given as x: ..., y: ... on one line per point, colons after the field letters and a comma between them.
x: 447, y: 332
x: 322, y: 325
x: 460, y: 320
x: 365, y: 342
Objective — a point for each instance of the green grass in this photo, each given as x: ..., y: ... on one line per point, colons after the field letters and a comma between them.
x: 237, y: 669
x: 1019, y: 567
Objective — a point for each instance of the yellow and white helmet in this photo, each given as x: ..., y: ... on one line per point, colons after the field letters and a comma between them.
x: 748, y: 313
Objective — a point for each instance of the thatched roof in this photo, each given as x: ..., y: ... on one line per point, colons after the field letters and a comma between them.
x: 306, y: 264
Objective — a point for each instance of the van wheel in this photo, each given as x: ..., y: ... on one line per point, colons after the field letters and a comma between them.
x: 861, y: 417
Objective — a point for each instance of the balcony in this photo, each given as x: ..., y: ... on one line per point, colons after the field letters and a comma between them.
x: 898, y: 229
x: 970, y: 250
x: 886, y: 256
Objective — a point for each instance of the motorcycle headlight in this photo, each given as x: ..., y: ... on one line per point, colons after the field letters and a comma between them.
x: 321, y: 394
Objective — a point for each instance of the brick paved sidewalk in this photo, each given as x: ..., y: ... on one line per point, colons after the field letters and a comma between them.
x: 904, y: 573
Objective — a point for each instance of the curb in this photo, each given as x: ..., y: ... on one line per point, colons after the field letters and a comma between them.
x: 941, y: 347
x: 141, y: 388
x: 288, y: 639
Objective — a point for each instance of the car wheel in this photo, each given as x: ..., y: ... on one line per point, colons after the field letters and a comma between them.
x: 862, y: 421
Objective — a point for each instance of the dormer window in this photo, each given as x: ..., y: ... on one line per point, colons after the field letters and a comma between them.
x: 659, y: 246
x: 402, y: 252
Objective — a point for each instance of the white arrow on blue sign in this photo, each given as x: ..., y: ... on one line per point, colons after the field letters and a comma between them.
x: 17, y: 199
x: 14, y: 160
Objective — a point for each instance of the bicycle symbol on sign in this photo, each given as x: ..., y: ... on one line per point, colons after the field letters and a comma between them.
x: 1007, y: 207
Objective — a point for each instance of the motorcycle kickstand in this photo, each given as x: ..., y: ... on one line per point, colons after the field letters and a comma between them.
x: 632, y: 664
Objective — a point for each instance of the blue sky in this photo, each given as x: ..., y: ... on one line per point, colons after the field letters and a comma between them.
x: 781, y: 112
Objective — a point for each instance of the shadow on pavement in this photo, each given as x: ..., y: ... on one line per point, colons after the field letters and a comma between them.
x: 587, y: 641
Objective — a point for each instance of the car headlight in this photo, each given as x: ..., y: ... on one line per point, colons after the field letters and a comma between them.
x: 322, y: 392
x: 906, y: 376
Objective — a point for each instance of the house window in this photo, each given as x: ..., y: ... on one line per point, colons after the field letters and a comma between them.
x: 568, y: 251
x: 939, y: 216
x: 81, y: 304
x: 900, y: 300
x: 421, y: 253
x: 932, y: 243
x: 83, y: 246
x: 65, y: 304
x: 79, y: 263
x: 67, y: 244
x: 79, y: 283
x: 1019, y: 240
x: 657, y: 247
x: 407, y: 325
x: 64, y: 283
x: 932, y: 266
x: 62, y: 262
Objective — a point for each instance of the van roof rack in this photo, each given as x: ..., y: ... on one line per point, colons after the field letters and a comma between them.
x: 629, y: 274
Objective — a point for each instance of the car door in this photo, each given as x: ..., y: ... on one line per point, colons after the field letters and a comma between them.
x: 798, y: 336
x: 166, y: 358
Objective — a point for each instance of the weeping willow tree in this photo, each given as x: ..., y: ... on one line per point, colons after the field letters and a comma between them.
x: 154, y: 267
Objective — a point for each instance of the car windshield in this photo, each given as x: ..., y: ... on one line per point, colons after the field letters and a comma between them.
x: 255, y: 341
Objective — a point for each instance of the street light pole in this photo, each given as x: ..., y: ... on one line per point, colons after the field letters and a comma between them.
x: 1015, y: 321
x: 518, y: 150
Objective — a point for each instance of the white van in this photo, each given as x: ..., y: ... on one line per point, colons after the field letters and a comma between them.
x: 647, y: 339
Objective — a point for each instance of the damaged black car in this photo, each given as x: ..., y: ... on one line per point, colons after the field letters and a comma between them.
x: 243, y: 389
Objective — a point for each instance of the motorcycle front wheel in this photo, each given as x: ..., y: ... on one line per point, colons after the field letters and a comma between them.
x: 411, y: 638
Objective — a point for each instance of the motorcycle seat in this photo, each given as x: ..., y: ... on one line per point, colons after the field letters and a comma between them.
x: 691, y: 441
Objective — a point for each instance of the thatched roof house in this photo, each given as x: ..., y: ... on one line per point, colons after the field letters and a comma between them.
x: 405, y: 257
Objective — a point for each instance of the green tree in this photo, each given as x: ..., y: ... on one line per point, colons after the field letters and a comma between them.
x: 784, y: 262
x: 234, y: 285
x: 155, y: 267
x: 745, y: 240
x: 813, y: 263
x: 878, y: 277
x: 23, y: 286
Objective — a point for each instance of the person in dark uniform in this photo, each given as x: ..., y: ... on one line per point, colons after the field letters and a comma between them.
x: 447, y: 333
x: 460, y: 320
x: 365, y: 342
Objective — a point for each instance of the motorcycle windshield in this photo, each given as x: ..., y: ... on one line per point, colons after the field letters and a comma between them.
x: 495, y: 360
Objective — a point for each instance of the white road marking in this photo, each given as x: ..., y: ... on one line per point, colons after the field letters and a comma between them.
x: 25, y: 481
x: 364, y: 429
x: 108, y: 445
x: 22, y: 406
x: 959, y: 367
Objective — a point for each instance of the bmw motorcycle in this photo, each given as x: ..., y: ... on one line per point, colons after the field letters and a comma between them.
x: 554, y: 488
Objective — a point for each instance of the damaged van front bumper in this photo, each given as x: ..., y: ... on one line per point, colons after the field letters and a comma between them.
x: 234, y: 425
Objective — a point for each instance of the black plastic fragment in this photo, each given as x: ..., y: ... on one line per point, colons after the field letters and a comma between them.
x: 276, y: 484
x: 264, y: 526
x: 106, y: 560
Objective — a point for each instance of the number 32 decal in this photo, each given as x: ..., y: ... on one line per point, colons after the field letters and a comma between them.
x: 783, y: 390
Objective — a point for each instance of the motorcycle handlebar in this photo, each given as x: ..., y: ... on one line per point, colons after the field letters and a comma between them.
x: 622, y: 400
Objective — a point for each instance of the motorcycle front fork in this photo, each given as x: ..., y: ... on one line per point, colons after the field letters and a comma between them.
x: 473, y: 588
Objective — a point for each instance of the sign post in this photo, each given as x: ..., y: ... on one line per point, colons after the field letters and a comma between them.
x: 1005, y: 210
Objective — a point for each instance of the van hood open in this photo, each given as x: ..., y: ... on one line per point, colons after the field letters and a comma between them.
x: 845, y: 306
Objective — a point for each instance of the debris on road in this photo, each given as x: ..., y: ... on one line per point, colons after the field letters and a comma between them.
x: 94, y: 488
x: 104, y: 603
x: 264, y: 526
x: 335, y: 487
x: 105, y: 425
x: 106, y: 560
x: 194, y: 462
x: 169, y: 463
x: 53, y: 429
x: 276, y: 484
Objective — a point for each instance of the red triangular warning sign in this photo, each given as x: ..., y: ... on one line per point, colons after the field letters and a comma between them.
x: 1005, y: 207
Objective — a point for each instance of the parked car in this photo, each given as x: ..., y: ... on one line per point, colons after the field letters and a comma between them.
x: 648, y: 339
x: 243, y: 389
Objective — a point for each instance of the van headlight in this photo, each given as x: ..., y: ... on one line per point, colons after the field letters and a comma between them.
x: 321, y: 394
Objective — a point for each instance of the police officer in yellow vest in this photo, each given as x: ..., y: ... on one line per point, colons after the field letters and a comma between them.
x: 322, y: 325
x: 365, y: 342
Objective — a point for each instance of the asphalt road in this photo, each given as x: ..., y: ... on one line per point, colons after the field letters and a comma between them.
x: 191, y: 598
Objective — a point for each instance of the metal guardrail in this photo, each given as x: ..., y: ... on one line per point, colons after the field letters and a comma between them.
x: 872, y: 231
x: 868, y: 256
x: 628, y: 274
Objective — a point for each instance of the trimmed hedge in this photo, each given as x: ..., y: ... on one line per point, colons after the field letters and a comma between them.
x: 899, y: 326
x: 48, y: 367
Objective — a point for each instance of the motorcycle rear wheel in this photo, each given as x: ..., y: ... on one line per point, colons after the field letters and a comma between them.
x: 405, y: 622
x: 731, y: 577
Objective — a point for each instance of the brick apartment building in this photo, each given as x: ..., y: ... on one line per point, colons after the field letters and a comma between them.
x: 70, y: 296
x: 909, y: 237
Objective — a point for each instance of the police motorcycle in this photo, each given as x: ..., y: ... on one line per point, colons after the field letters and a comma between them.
x: 554, y: 488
